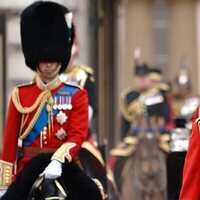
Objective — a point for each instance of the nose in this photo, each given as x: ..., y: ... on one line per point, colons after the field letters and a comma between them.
x: 48, y: 64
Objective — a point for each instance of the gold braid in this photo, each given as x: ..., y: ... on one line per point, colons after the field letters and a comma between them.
x: 40, y: 102
x: 26, y: 110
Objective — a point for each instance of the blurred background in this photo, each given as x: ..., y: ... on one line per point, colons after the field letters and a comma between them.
x: 166, y: 31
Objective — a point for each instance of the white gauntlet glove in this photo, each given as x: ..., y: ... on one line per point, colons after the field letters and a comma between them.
x: 2, y: 192
x: 53, y: 170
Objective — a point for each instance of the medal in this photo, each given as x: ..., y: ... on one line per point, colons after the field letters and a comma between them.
x: 65, y: 103
x: 61, y: 134
x: 55, y: 106
x: 69, y: 105
x: 60, y: 103
x: 61, y: 118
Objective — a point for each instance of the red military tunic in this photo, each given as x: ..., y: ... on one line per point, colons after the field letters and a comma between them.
x: 66, y: 132
x: 191, y: 174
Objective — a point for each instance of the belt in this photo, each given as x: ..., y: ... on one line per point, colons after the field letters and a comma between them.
x: 34, y: 151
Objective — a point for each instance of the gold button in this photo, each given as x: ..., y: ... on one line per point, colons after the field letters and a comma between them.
x: 44, y: 133
x: 44, y: 137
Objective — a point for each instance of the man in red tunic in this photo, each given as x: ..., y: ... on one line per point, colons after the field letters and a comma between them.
x: 46, y: 115
x: 191, y: 172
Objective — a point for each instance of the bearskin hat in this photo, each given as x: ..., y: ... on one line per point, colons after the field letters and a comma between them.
x: 45, y: 35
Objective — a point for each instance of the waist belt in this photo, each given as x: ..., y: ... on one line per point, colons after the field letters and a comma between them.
x: 34, y: 151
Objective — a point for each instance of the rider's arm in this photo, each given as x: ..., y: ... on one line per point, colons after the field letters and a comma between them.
x: 9, y: 150
x: 191, y: 173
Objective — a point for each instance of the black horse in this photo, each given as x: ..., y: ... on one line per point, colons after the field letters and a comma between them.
x: 77, y: 185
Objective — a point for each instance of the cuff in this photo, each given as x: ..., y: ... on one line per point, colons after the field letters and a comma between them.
x: 5, y: 174
x: 63, y: 152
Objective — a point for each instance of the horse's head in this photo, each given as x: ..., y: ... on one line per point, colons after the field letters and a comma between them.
x: 148, y: 162
x: 147, y: 153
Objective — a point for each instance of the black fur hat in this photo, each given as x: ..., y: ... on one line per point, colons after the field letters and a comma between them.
x: 45, y: 35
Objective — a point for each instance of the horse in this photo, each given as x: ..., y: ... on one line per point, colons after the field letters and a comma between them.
x: 74, y: 184
x: 140, y: 171
x: 94, y: 165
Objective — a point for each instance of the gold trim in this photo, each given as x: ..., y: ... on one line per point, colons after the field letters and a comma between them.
x: 6, y: 169
x: 155, y: 76
x: 87, y: 69
x: 163, y: 86
x: 101, y: 189
x: 42, y: 99
x: 164, y: 142
x: 111, y: 178
x: 78, y: 73
x: 164, y: 147
x: 63, y: 152
x: 26, y: 110
x: 136, y: 107
x: 60, y: 188
x: 86, y: 145
x: 165, y: 137
x: 49, y: 86
x: 26, y: 84
x: 124, y: 151
x: 124, y: 105
x: 131, y: 140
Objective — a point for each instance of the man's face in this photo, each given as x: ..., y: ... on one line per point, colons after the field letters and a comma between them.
x: 48, y: 70
x: 143, y: 82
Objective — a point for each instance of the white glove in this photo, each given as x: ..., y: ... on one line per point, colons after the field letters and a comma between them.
x: 90, y: 113
x: 53, y: 170
x: 2, y: 192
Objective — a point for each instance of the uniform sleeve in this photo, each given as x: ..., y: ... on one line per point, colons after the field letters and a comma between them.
x: 11, y: 133
x: 9, y: 151
x: 191, y: 172
x: 78, y: 128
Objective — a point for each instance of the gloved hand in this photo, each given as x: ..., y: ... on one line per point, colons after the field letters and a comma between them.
x: 53, y: 170
x: 2, y: 192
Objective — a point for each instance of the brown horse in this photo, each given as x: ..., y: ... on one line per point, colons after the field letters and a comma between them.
x: 142, y: 174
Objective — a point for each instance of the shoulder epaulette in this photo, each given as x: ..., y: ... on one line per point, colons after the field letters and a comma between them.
x: 123, y: 149
x: 126, y: 91
x: 73, y: 85
x: 25, y: 84
x: 123, y: 104
x: 164, y: 86
x: 87, y: 69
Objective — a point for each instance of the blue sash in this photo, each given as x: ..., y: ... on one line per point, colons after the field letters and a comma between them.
x: 43, y: 118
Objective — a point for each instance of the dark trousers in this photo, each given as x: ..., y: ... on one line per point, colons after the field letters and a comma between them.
x: 175, y: 164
